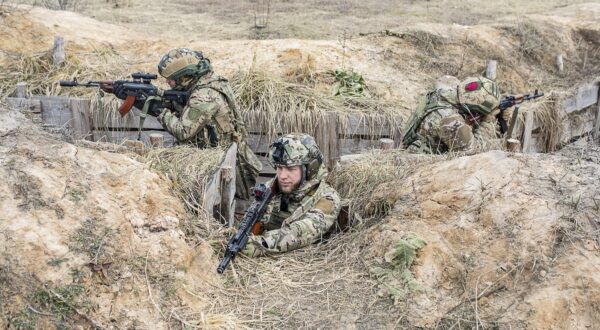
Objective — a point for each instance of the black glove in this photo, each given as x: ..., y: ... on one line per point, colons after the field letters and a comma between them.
x: 119, y: 91
x: 155, y: 108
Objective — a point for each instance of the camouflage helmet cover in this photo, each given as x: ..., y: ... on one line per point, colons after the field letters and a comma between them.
x: 181, y: 62
x: 296, y: 149
x: 478, y: 94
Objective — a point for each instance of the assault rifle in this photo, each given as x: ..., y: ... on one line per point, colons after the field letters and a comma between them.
x: 134, y: 92
x: 511, y: 100
x: 249, y: 224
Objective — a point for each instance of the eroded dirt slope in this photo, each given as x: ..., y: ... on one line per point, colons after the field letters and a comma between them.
x: 512, y: 241
x: 96, y: 228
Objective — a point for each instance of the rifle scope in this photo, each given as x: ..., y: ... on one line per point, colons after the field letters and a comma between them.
x: 145, y: 76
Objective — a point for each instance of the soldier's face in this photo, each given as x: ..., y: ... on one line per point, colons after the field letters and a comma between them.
x: 288, y: 178
x: 171, y: 83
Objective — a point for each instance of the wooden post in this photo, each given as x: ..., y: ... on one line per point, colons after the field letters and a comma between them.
x: 559, y: 63
x: 596, y: 132
x: 527, y: 132
x: 490, y: 71
x: 22, y: 90
x: 386, y: 144
x: 82, y: 123
x: 58, y: 52
x: 157, y: 140
x: 220, y: 190
x: 513, y: 145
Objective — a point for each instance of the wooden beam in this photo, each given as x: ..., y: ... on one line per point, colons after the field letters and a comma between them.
x: 527, y: 147
x: 227, y: 181
x: 120, y: 136
x: 58, y: 51
x: 597, y: 125
x: 217, y: 198
x: 586, y: 96
x: 386, y: 144
x: 82, y: 125
x: 21, y: 91
x: 34, y: 106
x: 559, y: 63
x: 490, y: 71
x: 157, y: 140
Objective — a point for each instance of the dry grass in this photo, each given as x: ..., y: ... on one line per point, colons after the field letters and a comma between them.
x: 189, y: 168
x: 100, y: 62
x: 368, y: 182
x: 280, y: 107
x: 322, y: 286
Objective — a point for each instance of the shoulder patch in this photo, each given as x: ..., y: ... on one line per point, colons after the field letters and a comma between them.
x: 325, y: 205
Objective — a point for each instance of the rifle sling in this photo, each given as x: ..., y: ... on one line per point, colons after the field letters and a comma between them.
x: 144, y: 113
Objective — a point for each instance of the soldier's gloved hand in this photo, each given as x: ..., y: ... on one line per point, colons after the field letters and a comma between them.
x: 506, y: 114
x: 119, y: 91
x: 256, y: 247
x: 155, y: 108
x: 491, y: 117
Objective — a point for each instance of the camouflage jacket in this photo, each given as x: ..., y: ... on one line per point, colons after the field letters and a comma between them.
x: 437, y: 126
x: 209, y: 118
x: 299, y: 219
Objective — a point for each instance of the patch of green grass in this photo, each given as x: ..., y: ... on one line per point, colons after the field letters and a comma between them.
x: 55, y: 262
x: 78, y: 193
x: 394, y: 275
x: 91, y: 239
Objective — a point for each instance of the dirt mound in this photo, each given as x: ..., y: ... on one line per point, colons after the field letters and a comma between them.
x: 511, y: 241
x: 89, y: 237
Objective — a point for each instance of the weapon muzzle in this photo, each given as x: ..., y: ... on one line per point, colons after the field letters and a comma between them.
x: 223, y: 264
x: 68, y: 83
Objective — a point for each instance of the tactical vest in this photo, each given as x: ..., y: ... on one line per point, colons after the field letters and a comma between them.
x: 427, y: 104
x: 227, y: 124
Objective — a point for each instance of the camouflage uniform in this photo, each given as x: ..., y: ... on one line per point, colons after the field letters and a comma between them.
x: 438, y: 125
x: 302, y: 217
x: 210, y: 119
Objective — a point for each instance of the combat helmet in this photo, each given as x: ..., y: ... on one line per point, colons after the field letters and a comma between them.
x: 478, y: 95
x: 297, y: 149
x: 182, y: 62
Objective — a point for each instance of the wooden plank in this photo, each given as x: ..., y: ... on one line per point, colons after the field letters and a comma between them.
x: 259, y: 143
x: 527, y: 142
x: 56, y: 114
x: 120, y: 136
x: 490, y: 71
x: 356, y: 145
x: 579, y: 124
x: 32, y: 105
x: 597, y: 125
x: 586, y: 96
x: 113, y: 120
x: 227, y: 180
x: 214, y: 200
x: 21, y: 91
x: 58, y: 52
x: 80, y: 112
x: 267, y: 169
x: 372, y: 126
